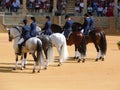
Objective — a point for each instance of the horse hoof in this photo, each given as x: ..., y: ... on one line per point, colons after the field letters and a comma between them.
x: 79, y: 60
x: 33, y: 71
x: 45, y: 68
x: 59, y: 64
x: 14, y: 68
x: 38, y: 71
x: 83, y: 61
x: 22, y: 68
x: 76, y: 57
x: 102, y: 59
x: 96, y: 59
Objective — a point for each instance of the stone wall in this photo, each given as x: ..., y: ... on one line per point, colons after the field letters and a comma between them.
x: 110, y: 25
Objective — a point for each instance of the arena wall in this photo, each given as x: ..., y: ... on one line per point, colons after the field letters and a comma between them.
x: 111, y: 25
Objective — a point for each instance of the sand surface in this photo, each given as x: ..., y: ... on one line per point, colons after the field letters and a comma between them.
x: 91, y: 75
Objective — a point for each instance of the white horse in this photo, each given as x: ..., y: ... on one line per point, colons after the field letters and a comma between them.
x: 32, y: 45
x: 59, y: 41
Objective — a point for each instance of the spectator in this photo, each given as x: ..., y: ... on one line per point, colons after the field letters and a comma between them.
x: 15, y: 5
x: 9, y: 5
x: 30, y: 6
x: 100, y: 11
x: 81, y: 6
x: 89, y: 9
x: 77, y: 9
x: 37, y: 5
x: 63, y: 5
x: 109, y: 12
x: 95, y: 5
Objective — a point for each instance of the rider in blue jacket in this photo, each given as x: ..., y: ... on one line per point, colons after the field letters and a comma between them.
x: 47, y: 26
x: 33, y: 26
x: 68, y: 26
x: 91, y: 21
x: 25, y: 36
x: 86, y: 24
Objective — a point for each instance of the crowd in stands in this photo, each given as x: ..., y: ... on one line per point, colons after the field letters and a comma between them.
x: 10, y: 5
x: 36, y: 5
x: 97, y: 7
x: 61, y: 5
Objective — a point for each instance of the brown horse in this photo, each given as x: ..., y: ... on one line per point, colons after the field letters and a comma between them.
x: 75, y: 38
x: 97, y: 37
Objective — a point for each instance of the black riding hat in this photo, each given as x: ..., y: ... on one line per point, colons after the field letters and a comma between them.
x: 33, y: 19
x: 67, y: 16
x: 48, y: 17
x: 25, y: 21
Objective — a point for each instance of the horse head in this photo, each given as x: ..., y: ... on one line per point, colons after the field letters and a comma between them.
x: 14, y: 33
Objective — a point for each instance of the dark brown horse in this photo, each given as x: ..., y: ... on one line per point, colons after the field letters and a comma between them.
x: 75, y: 38
x: 97, y: 37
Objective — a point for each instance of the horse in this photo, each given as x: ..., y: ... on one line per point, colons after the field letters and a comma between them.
x: 75, y: 38
x: 32, y: 45
x: 59, y: 41
x: 97, y: 37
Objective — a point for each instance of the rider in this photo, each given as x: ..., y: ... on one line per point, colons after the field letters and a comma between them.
x: 33, y: 26
x: 47, y: 26
x: 91, y: 21
x: 25, y: 36
x: 86, y: 24
x: 68, y: 26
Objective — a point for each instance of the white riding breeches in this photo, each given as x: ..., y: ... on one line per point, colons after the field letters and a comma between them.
x: 21, y: 41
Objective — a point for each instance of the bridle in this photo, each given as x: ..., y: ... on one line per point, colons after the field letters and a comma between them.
x: 17, y: 28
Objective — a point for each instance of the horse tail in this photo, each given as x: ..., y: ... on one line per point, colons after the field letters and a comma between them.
x: 50, y: 54
x: 39, y: 52
x: 103, y: 43
x: 64, y: 51
x: 82, y: 47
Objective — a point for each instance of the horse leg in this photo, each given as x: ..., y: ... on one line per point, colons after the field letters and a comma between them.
x: 46, y: 55
x: 35, y: 62
x: 98, y: 52
x: 76, y: 52
x: 60, y: 59
x: 24, y: 62
x: 79, y: 59
x: 16, y: 65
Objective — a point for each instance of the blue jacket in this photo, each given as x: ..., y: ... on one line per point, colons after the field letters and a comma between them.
x: 47, y: 28
x: 68, y: 25
x: 92, y: 23
x: 33, y: 29
x: 26, y: 32
x: 86, y: 26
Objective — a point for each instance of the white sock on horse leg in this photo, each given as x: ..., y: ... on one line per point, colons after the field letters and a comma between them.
x: 75, y: 53
x: 47, y: 63
x: 16, y: 65
x: 80, y: 57
x: 34, y: 65
x: 98, y: 54
x: 25, y: 61
x: 78, y: 54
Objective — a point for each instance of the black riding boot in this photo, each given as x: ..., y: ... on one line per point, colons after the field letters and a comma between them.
x: 19, y: 49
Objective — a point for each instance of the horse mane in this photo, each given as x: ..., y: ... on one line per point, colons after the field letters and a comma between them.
x: 56, y: 28
x: 77, y: 26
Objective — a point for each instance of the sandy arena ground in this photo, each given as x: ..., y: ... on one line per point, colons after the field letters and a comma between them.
x: 71, y: 75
